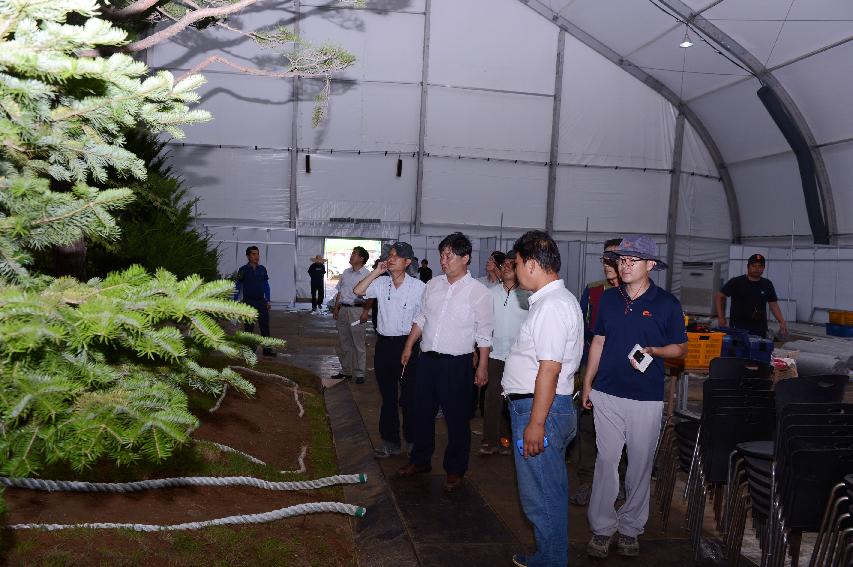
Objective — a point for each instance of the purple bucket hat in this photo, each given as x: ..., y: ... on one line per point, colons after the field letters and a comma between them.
x: 638, y: 246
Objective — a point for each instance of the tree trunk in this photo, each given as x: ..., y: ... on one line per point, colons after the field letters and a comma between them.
x: 70, y: 260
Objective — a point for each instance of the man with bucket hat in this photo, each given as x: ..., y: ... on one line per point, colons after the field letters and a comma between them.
x: 751, y: 296
x: 624, y: 386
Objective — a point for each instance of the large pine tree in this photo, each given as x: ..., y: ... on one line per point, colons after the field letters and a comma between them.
x: 96, y: 369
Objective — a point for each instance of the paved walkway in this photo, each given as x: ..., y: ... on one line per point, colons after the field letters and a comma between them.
x: 412, y: 521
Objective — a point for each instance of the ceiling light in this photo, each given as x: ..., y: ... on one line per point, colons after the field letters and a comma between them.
x: 686, y: 41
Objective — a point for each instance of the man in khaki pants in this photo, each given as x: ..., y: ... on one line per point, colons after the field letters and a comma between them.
x: 352, y: 312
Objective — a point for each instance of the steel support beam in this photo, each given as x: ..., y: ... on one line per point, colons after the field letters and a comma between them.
x: 593, y: 43
x: 674, y: 190
x: 419, y: 184
x: 555, y: 133
x: 294, y: 132
x: 766, y: 77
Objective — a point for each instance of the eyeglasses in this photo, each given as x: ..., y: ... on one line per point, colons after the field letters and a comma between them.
x: 629, y: 260
x: 508, y: 264
x: 608, y: 261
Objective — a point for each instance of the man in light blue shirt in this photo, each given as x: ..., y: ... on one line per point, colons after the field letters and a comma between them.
x: 510, y: 308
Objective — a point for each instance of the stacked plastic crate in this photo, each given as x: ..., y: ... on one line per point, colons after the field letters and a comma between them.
x: 840, y: 323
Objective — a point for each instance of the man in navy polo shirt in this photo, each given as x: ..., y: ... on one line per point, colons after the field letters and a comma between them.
x: 627, y: 402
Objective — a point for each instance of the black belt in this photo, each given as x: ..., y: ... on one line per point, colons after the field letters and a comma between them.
x: 515, y: 397
x: 434, y: 354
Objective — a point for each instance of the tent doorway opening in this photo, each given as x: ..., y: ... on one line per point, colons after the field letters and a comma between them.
x: 337, y: 252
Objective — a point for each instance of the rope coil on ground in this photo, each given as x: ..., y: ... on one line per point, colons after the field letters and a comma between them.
x: 297, y: 510
x: 153, y: 484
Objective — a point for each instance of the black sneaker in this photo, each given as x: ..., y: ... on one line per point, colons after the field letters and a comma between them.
x: 340, y: 376
x: 359, y: 379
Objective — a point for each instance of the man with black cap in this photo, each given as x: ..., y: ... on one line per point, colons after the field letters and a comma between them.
x: 399, y: 297
x: 627, y: 396
x: 751, y: 295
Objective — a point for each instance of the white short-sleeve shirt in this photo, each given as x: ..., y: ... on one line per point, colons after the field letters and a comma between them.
x: 552, y: 331
x: 397, y: 305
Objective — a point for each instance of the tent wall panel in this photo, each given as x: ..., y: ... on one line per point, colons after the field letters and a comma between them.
x: 769, y: 194
x: 475, y: 44
x: 694, y: 154
x: 383, y: 6
x: 474, y: 192
x: 839, y: 163
x: 277, y: 247
x: 702, y: 209
x: 365, y: 116
x: 234, y: 183
x: 739, y: 123
x: 189, y: 48
x: 358, y: 186
x: 387, y: 46
x: 610, y: 118
x: 827, y: 108
x: 615, y: 201
x: 247, y: 111
x: 487, y: 124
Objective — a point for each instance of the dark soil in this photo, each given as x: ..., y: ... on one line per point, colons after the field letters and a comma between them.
x: 265, y: 426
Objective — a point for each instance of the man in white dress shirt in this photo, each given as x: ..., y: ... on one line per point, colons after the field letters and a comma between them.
x: 538, y: 381
x: 456, y: 316
x: 399, y: 297
x: 351, y: 313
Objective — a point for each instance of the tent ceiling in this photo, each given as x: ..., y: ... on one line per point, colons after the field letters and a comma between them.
x: 773, y: 39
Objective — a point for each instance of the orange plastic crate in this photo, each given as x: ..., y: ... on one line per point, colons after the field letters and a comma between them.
x: 702, y: 348
x: 840, y: 317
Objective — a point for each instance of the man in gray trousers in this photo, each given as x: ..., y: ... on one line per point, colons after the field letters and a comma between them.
x: 627, y: 399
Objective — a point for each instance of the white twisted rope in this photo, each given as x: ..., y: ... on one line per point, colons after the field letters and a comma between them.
x: 298, y: 403
x: 140, y: 485
x: 297, y: 510
x: 301, y: 461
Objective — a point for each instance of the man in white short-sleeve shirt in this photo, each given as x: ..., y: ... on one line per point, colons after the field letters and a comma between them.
x: 399, y: 297
x: 538, y: 383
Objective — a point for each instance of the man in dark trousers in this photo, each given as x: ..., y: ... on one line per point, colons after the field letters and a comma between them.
x: 455, y: 318
x: 317, y: 273
x: 253, y: 283
x: 751, y: 296
x: 399, y: 296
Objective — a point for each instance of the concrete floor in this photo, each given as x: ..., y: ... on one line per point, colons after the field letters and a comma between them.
x: 435, y: 525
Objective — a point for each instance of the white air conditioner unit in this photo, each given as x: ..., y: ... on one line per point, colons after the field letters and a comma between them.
x: 699, y: 282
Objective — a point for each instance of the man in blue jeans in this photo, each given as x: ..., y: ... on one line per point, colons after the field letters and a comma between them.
x: 538, y: 382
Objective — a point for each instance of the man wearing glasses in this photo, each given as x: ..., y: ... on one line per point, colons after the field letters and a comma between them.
x: 456, y: 315
x: 627, y: 402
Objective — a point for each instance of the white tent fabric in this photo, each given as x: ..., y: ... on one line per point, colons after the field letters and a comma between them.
x: 487, y: 121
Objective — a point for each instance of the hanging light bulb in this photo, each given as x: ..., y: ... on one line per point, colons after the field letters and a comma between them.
x: 685, y: 43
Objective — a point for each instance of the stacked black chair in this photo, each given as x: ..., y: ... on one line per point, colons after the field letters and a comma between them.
x: 834, y: 544
x: 681, y: 433
x: 733, y: 411
x: 813, y: 431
